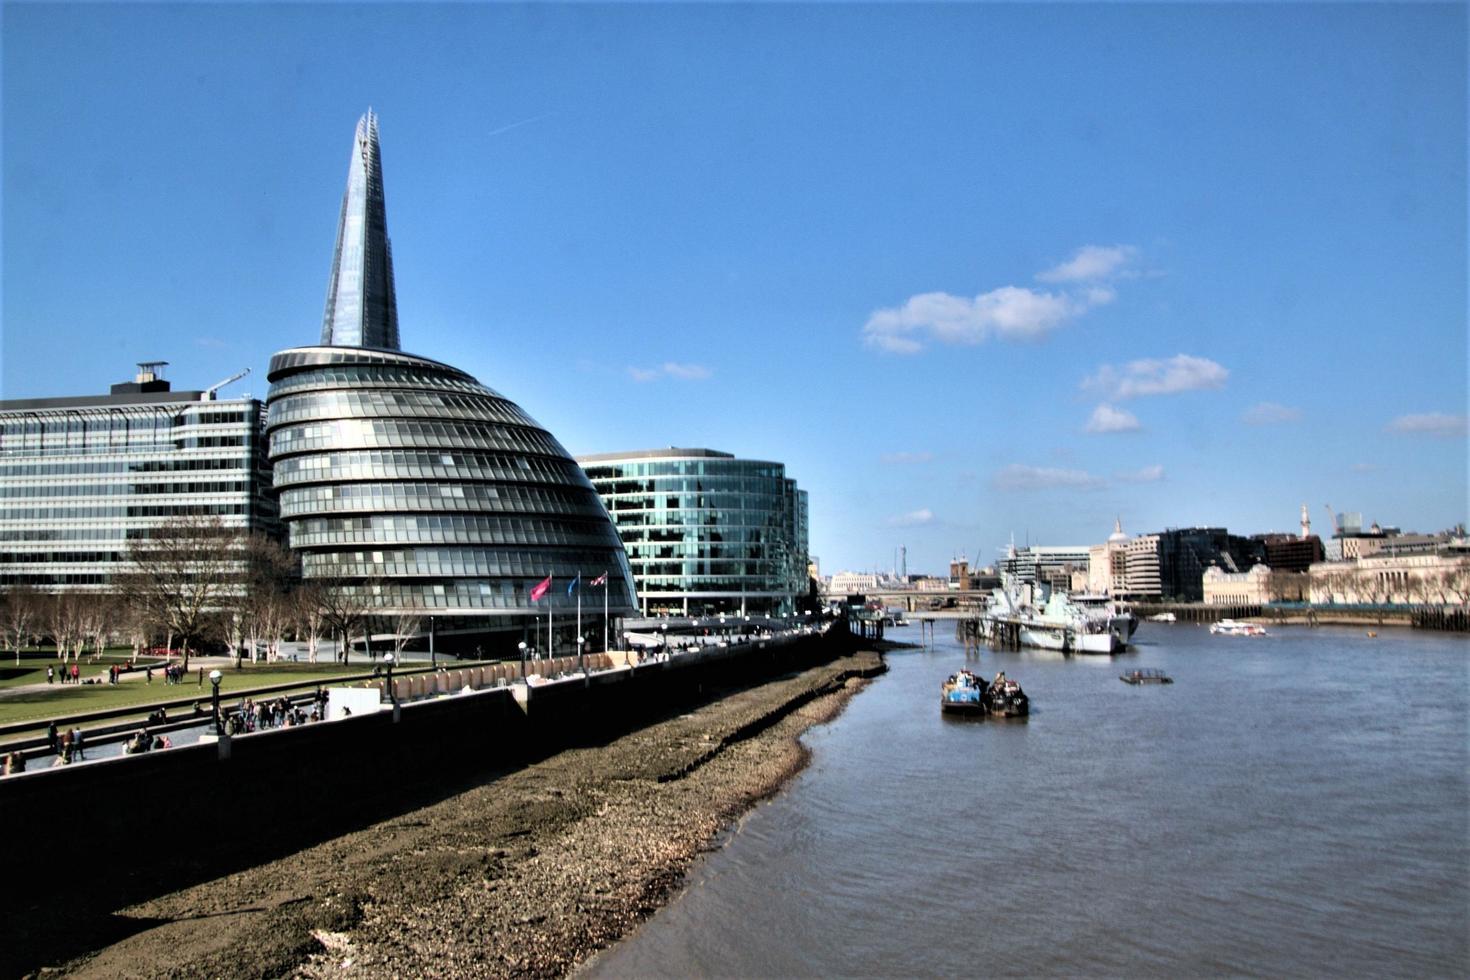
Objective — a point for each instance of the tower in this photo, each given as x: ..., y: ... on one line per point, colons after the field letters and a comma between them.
x: 362, y: 309
x: 1306, y: 524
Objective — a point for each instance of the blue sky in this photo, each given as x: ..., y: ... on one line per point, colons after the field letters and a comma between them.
x: 968, y: 271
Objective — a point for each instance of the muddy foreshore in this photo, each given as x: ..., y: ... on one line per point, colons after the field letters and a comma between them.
x: 525, y: 875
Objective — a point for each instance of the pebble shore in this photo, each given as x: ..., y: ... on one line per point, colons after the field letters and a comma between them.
x: 524, y: 876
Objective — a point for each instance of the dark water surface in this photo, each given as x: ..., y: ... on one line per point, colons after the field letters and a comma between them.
x: 1296, y: 805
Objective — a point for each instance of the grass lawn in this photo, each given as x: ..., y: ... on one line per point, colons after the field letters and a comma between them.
x: 33, y: 664
x: 68, y: 699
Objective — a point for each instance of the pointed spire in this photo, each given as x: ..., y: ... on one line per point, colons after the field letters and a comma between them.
x: 362, y: 308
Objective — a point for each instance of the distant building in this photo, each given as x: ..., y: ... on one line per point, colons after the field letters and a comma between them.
x: 1170, y: 564
x: 1425, y: 572
x: 1289, y: 552
x: 1107, y: 563
x: 706, y: 532
x: 1051, y: 565
x: 959, y: 574
x: 84, y: 478
x: 1222, y: 588
x: 852, y: 583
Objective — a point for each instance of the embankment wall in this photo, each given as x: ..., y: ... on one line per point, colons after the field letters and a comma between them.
x: 137, y: 826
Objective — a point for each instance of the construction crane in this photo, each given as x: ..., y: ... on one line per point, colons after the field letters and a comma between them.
x: 1332, y: 519
x: 207, y: 395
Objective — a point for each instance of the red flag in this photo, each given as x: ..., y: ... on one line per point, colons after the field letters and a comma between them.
x: 540, y: 589
x: 601, y: 579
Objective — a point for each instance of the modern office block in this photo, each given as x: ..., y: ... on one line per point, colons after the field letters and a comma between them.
x: 83, y: 478
x: 706, y: 532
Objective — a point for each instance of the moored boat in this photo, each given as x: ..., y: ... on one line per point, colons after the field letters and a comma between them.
x: 1163, y: 617
x: 1146, y: 675
x: 1005, y: 699
x: 962, y: 693
x: 1037, y: 616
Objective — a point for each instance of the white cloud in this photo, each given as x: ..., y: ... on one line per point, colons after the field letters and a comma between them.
x: 913, y: 518
x: 1270, y: 413
x: 1018, y: 476
x: 1106, y: 418
x: 906, y: 457
x: 1429, y: 424
x: 1151, y: 376
x: 1149, y: 474
x: 670, y: 369
x: 1009, y: 313
x: 1091, y: 262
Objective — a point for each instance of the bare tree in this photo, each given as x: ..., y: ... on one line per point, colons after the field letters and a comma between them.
x: 307, y: 616
x: 1455, y: 581
x: 63, y: 619
x: 97, y: 618
x: 345, y: 605
x: 265, y: 605
x: 1422, y: 588
x: 405, y: 627
x: 183, y: 576
x: 1287, y: 586
x: 21, y: 614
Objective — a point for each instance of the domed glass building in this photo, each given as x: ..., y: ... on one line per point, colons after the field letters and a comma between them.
x: 407, y: 482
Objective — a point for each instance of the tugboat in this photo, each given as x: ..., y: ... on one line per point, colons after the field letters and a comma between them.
x: 1005, y: 699
x: 962, y: 694
x: 1146, y: 675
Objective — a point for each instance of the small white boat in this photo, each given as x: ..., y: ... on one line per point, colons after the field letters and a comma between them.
x: 1163, y: 618
x: 1232, y: 627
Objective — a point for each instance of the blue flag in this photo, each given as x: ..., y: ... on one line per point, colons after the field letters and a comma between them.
x: 572, y: 585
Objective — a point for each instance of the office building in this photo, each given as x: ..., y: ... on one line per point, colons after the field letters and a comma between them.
x: 706, y: 532
x: 84, y: 478
x: 1171, y: 564
x: 1051, y: 565
x: 409, y: 485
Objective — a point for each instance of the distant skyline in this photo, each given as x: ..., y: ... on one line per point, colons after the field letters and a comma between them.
x: 967, y: 270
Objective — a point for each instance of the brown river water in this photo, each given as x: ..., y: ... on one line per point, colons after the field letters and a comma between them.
x: 1293, y: 805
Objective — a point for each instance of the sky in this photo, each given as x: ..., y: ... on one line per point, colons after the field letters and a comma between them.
x: 969, y: 271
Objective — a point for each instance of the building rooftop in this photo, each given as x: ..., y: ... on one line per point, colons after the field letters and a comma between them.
x: 671, y: 452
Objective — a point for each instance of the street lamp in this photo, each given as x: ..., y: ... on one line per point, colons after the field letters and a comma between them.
x: 214, y: 678
x: 522, y: 646
x: 581, y: 661
x: 388, y: 660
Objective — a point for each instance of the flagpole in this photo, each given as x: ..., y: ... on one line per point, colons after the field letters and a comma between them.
x: 604, y: 612
x: 550, y: 642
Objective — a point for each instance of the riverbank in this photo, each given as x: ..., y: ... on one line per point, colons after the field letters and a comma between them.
x: 525, y: 875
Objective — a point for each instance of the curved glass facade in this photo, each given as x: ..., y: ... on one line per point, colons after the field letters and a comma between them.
x: 412, y: 482
x: 706, y: 532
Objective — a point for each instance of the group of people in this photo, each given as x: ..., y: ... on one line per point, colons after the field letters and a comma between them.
x: 70, y: 674
x: 68, y: 746
x: 142, y: 741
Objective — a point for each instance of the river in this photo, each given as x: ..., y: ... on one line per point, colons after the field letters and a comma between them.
x: 1296, y: 804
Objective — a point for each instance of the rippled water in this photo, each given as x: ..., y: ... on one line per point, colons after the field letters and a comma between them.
x: 1297, y: 804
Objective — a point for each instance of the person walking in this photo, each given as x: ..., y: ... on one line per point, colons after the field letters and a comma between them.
x: 76, y: 744
x: 50, y: 674
x: 52, y: 739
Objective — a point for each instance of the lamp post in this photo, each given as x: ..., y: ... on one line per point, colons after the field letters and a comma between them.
x: 665, y: 628
x: 581, y: 660
x: 214, y: 678
x: 388, y: 660
x: 522, y: 646
x: 433, y: 660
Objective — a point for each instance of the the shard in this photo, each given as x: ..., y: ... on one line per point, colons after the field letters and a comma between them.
x: 362, y: 310
x: 413, y: 490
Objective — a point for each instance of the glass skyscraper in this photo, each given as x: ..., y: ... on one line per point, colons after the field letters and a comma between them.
x: 406, y: 481
x: 84, y: 478
x: 706, y: 532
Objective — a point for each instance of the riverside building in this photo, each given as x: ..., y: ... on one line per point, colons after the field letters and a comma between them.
x: 409, y: 485
x: 706, y: 532
x: 83, y: 478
